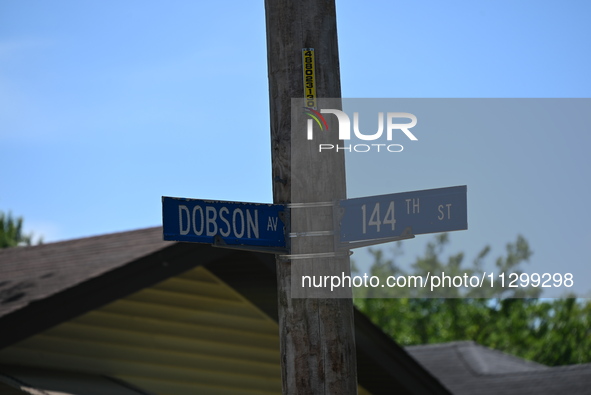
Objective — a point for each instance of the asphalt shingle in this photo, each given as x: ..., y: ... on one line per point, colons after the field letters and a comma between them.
x: 469, y: 368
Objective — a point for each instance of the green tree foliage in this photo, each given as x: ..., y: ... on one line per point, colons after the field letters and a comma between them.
x: 11, y: 231
x: 514, y: 320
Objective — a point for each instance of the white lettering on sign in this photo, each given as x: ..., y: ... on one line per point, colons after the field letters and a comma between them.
x: 441, y: 215
x: 211, y: 215
x: 182, y: 209
x: 272, y: 223
x: 200, y: 231
x: 234, y: 216
x: 208, y: 219
x: 253, y: 223
x: 223, y: 212
x: 415, y: 205
x: 375, y: 218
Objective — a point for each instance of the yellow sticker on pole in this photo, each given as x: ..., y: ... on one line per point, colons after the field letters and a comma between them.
x: 309, y: 77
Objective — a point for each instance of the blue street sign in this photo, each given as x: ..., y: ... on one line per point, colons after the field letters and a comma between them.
x: 223, y: 223
x: 399, y: 214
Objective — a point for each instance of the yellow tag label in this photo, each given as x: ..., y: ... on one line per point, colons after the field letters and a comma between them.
x: 309, y: 77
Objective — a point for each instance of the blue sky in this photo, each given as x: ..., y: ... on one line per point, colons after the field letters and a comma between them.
x: 107, y: 106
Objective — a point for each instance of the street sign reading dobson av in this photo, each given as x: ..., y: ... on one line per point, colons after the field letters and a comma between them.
x: 223, y: 223
x: 409, y: 213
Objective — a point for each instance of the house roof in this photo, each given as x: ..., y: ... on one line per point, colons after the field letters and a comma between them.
x: 42, y: 286
x: 18, y: 380
x: 34, y: 273
x: 466, y: 367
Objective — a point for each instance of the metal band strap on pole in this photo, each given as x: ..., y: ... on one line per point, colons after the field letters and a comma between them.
x: 336, y: 254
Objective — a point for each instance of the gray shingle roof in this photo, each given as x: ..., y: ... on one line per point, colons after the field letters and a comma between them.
x: 33, y: 273
x: 468, y: 368
x: 42, y: 382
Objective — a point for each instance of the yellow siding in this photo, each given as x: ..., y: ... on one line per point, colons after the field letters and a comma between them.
x: 191, y: 334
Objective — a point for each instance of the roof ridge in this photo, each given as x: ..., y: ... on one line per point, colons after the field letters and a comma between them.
x: 545, y: 371
x: 441, y: 345
x: 96, y: 236
x: 513, y: 357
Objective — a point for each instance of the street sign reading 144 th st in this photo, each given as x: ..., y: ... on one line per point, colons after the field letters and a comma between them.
x: 378, y: 219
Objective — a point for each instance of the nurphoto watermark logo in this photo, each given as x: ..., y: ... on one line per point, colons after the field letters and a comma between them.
x: 389, y: 127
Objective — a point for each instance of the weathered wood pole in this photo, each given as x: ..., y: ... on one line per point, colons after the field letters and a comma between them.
x: 316, y: 334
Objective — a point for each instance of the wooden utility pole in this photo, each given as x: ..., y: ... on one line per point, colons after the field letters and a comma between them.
x: 316, y: 334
